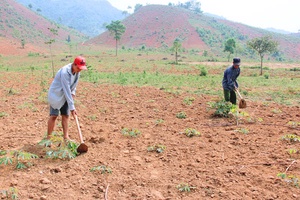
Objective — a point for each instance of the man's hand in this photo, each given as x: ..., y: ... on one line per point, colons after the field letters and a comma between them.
x: 74, y: 113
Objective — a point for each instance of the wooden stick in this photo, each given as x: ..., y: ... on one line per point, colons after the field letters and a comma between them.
x: 290, y: 166
x: 106, y: 191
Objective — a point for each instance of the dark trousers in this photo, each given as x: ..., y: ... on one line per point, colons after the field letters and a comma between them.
x: 230, y: 95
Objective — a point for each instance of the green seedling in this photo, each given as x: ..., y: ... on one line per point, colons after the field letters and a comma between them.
x: 20, y: 158
x: 181, y: 115
x: 293, y: 124
x: 291, y: 138
x: 188, y: 100
x: 130, y: 132
x: 58, y: 148
x: 276, y: 111
x: 11, y: 193
x: 243, y: 130
x: 290, y: 179
x: 159, y: 121
x: 103, y: 169
x: 190, y: 132
x: 3, y: 114
x: 185, y: 187
x: 158, y: 148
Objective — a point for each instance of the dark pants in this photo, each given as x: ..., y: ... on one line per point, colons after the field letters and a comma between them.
x: 230, y: 95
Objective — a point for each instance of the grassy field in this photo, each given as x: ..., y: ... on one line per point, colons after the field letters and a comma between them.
x: 279, y: 82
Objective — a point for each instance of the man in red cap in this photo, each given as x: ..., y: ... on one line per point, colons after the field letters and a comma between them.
x: 61, y: 94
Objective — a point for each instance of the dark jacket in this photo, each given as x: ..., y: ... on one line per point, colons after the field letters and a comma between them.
x: 229, y: 78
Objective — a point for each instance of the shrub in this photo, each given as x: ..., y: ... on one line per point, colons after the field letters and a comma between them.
x: 203, y: 71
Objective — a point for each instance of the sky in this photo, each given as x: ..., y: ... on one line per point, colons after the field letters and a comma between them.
x: 278, y: 14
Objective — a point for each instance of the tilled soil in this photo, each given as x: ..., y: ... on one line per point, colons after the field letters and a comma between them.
x: 229, y: 160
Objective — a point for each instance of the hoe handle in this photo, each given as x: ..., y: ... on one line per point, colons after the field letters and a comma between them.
x: 78, y: 128
x: 239, y: 93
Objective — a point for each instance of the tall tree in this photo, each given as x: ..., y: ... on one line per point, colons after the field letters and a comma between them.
x: 176, y: 48
x: 262, y: 46
x: 229, y: 47
x: 116, y: 28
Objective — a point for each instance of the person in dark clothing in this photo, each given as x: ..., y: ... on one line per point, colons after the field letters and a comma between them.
x: 230, y: 84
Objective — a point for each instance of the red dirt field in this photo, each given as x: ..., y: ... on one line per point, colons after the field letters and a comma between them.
x: 222, y: 163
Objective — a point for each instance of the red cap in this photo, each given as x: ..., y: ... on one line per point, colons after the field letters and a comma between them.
x: 80, y: 62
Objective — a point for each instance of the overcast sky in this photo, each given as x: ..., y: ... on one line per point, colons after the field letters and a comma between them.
x: 279, y: 14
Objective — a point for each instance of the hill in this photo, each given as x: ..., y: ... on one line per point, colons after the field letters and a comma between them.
x: 157, y: 26
x: 19, y: 23
x: 86, y: 16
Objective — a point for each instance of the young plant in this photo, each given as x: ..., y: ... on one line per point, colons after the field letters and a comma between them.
x: 243, y: 130
x: 11, y: 193
x: 158, y: 122
x: 57, y: 148
x: 103, y: 169
x: 291, y: 138
x: 185, y: 187
x: 188, y: 100
x: 293, y: 124
x: 189, y: 132
x: 158, y: 148
x: 181, y: 115
x: 130, y: 132
x: 3, y: 114
x: 223, y: 108
x: 19, y: 158
x: 290, y: 179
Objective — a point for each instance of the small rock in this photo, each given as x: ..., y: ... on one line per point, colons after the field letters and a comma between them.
x: 43, y: 197
x: 45, y: 181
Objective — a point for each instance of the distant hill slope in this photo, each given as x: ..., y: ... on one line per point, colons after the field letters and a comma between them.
x: 158, y: 26
x: 18, y: 22
x: 87, y: 16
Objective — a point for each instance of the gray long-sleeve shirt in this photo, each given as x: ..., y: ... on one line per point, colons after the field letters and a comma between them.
x: 62, y: 88
x: 229, y: 78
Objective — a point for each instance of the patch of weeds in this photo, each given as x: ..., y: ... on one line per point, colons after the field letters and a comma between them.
x: 103, y: 169
x: 181, y: 115
x: 159, y: 148
x: 223, y: 108
x: 188, y: 100
x: 242, y: 130
x: 11, y: 193
x: 130, y: 132
x: 290, y: 179
x: 3, y: 114
x: 291, y: 138
x: 190, y: 132
x: 185, y: 187
x: 19, y: 158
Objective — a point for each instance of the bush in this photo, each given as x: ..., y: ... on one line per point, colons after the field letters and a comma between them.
x: 203, y: 71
